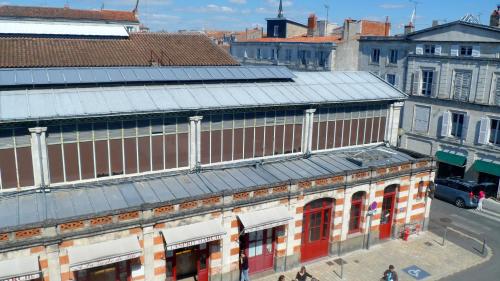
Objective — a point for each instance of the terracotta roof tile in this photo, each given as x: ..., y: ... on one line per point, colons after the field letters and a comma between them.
x: 138, y: 50
x: 67, y: 13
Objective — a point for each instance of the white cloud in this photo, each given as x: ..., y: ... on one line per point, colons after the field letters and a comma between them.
x: 389, y: 6
x: 210, y: 8
x: 238, y: 1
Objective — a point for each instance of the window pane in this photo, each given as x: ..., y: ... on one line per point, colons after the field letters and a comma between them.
x: 322, y: 135
x: 368, y: 130
x: 171, y: 151
x: 376, y: 129
x: 249, y: 142
x: 157, y: 150
x: 8, y: 168
x: 382, y: 129
x: 205, y: 147
x: 116, y: 156
x: 101, y: 158
x: 278, y: 139
x: 183, y: 150
x: 227, y: 144
x: 346, y: 133
x: 71, y: 161
x: 87, y: 159
x: 216, y: 141
x: 144, y: 154
x: 259, y: 141
x: 288, y: 138
x: 314, y: 141
x: 297, y: 138
x: 55, y: 163
x: 269, y: 138
x: 238, y: 144
x: 130, y: 155
x: 25, y: 166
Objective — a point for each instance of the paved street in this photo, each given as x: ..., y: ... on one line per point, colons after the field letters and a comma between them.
x: 477, y: 225
x: 460, y: 252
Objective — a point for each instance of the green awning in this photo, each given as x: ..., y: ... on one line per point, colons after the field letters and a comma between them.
x: 450, y: 158
x: 487, y: 167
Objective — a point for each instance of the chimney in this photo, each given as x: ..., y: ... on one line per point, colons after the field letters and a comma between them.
x: 387, y: 27
x: 495, y: 17
x: 409, y: 28
x: 435, y: 23
x: 312, y: 25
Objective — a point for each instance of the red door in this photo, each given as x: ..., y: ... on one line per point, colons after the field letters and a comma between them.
x: 202, y: 262
x: 387, y: 215
x: 260, y: 250
x: 316, y: 229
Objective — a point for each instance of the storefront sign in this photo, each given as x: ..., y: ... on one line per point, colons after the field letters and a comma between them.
x: 92, y: 264
x: 193, y: 242
x: 23, y: 277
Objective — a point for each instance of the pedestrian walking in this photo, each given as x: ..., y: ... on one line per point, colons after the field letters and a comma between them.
x: 390, y: 274
x: 482, y: 195
x: 302, y: 274
x: 244, y: 267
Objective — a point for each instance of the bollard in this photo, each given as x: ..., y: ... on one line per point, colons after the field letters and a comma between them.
x: 484, y: 246
x: 342, y: 269
x: 444, y: 235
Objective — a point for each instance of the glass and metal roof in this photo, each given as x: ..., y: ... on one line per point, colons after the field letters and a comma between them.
x: 306, y: 88
x: 108, y: 196
x: 43, y: 77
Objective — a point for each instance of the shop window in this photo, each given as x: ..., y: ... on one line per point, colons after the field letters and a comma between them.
x: 356, y: 212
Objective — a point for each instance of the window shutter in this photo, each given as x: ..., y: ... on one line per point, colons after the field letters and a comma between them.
x: 420, y: 49
x: 454, y: 51
x: 434, y: 85
x: 465, y: 127
x: 484, y: 130
x: 421, y: 118
x: 497, y: 91
x: 445, y: 124
x: 437, y: 50
x: 476, y: 51
x: 416, y: 83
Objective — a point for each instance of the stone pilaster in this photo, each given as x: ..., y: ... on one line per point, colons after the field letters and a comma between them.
x: 39, y: 156
x: 194, y: 141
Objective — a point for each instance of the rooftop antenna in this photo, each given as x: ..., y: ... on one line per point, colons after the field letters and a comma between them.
x: 136, y: 8
x: 102, y: 6
x: 479, y: 16
x: 414, y: 15
x: 327, y: 7
x: 280, y: 10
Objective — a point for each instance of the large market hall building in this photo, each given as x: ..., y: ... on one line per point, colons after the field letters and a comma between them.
x: 158, y: 172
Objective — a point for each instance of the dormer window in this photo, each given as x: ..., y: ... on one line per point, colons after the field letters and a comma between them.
x: 466, y: 51
x: 430, y: 49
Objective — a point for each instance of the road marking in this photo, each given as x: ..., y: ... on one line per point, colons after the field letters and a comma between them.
x: 486, y: 214
x: 469, y: 224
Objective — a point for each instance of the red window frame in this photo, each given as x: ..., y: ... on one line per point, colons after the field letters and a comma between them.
x: 357, y: 205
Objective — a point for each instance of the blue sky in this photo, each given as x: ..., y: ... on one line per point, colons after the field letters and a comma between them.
x: 172, y: 15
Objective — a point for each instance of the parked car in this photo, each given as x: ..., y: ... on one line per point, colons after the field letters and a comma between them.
x: 456, y: 191
x: 488, y: 187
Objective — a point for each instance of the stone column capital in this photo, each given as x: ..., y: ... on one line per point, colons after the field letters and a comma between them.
x: 37, y: 130
x: 195, y: 118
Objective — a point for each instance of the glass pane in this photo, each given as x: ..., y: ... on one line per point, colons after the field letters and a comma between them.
x: 269, y: 245
x: 258, y: 248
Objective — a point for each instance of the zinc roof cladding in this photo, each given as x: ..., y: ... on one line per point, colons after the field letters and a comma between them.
x: 308, y: 88
x: 72, y: 202
x: 66, y: 13
x: 139, y: 49
x: 45, y: 77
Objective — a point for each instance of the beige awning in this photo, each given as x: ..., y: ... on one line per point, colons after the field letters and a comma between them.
x: 103, y: 253
x: 25, y: 268
x: 193, y: 234
x: 264, y: 219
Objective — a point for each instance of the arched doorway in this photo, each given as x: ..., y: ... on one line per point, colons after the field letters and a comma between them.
x: 387, y: 214
x: 316, y: 229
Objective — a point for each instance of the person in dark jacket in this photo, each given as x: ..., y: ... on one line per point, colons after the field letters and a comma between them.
x: 244, y: 267
x: 281, y: 278
x: 390, y: 274
x: 302, y: 274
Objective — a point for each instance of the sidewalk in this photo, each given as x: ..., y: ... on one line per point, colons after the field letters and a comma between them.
x: 424, y: 251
